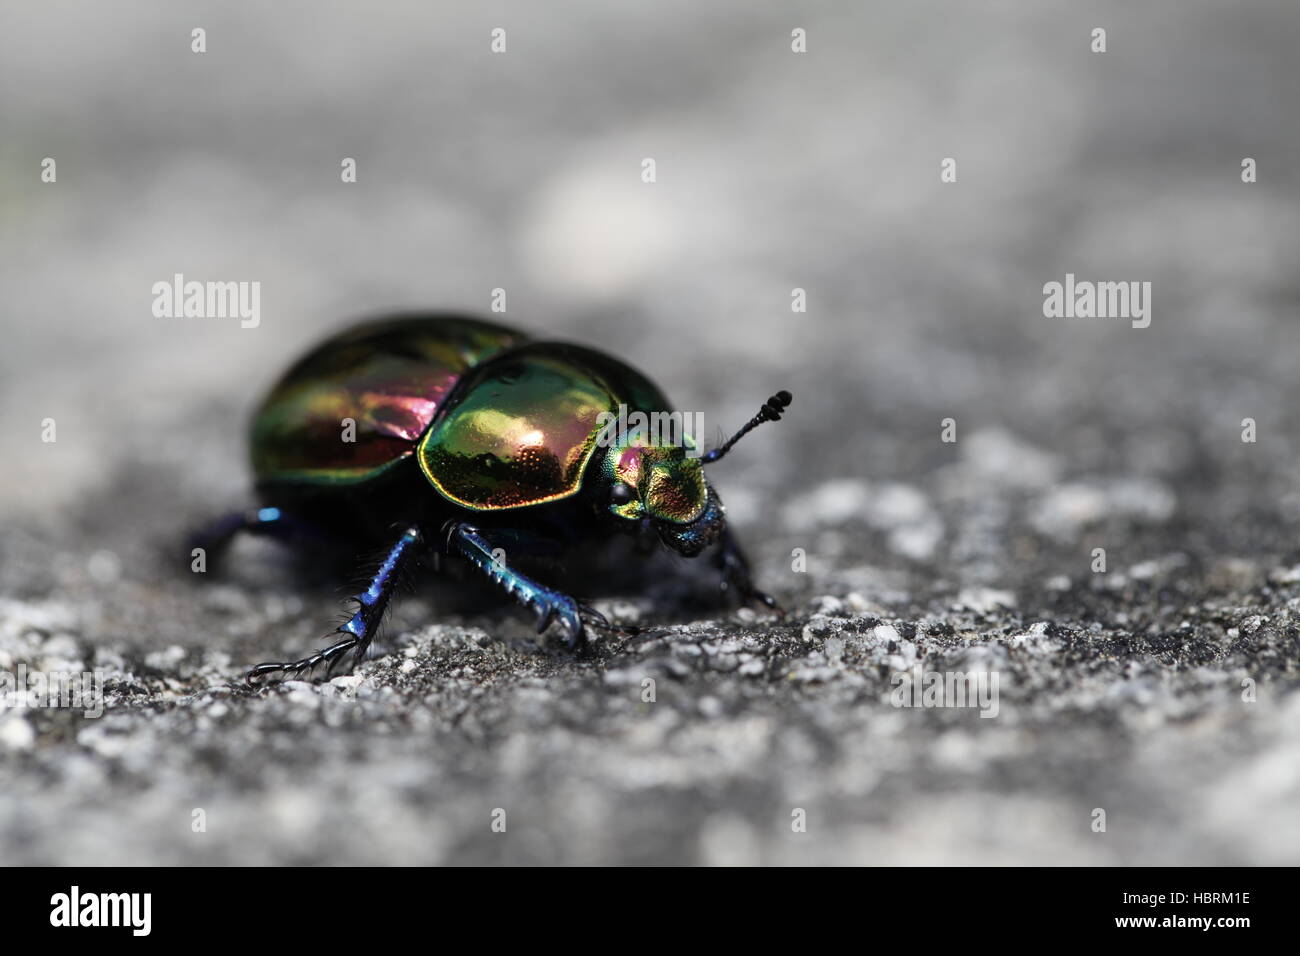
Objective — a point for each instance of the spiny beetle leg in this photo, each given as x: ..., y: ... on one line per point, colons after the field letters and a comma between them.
x: 483, y: 549
x: 360, y: 630
x: 736, y: 575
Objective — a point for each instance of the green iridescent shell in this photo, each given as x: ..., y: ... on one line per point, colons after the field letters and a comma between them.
x: 524, y: 425
x: 389, y: 379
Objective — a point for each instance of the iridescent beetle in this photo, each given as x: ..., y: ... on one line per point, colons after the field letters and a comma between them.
x: 464, y: 438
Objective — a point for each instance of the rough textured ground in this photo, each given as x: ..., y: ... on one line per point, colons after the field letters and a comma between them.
x: 1120, y: 690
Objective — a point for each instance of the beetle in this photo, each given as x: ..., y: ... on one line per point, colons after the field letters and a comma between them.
x: 451, y: 435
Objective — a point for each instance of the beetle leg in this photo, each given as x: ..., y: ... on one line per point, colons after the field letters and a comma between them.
x: 736, y: 575
x: 272, y: 522
x: 483, y: 550
x: 360, y: 630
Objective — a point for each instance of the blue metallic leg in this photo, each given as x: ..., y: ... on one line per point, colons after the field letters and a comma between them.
x: 360, y: 630
x: 548, y: 604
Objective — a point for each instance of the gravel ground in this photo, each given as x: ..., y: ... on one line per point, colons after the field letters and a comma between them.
x: 1162, y: 690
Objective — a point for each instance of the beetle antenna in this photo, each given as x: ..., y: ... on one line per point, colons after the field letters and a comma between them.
x: 770, y: 412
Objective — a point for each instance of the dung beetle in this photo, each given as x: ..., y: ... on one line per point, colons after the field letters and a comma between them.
x: 457, y: 437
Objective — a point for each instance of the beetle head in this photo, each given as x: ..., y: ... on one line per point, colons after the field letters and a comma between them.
x: 664, y: 488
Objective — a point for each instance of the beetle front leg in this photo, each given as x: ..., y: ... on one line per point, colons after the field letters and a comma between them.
x: 484, y: 551
x: 736, y: 576
x: 360, y: 630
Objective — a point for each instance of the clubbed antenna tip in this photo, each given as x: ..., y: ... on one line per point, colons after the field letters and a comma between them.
x: 770, y: 412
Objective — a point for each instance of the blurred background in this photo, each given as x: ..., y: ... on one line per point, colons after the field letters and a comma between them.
x: 774, y: 171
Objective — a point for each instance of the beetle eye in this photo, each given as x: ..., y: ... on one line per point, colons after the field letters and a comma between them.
x: 621, y: 493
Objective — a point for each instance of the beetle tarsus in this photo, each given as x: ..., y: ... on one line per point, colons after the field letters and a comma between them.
x: 305, y: 669
x: 360, y: 629
x: 593, y: 618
